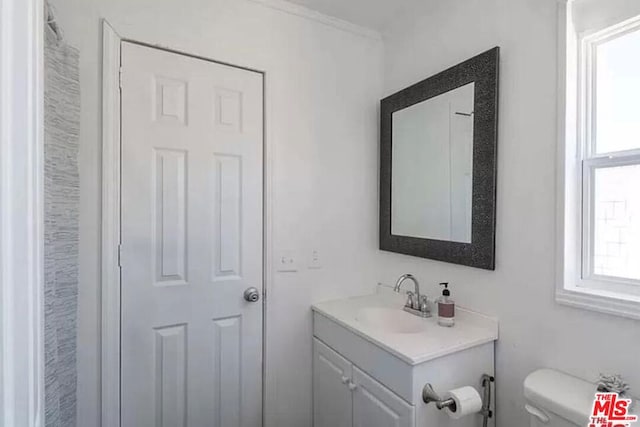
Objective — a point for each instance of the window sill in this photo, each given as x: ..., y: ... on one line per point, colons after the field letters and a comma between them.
x: 601, y: 301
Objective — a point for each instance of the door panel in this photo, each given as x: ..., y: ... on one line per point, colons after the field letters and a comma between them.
x: 170, y: 376
x: 376, y: 406
x: 169, y: 237
x: 191, y: 241
x: 332, y: 401
x: 227, y: 220
x: 227, y: 342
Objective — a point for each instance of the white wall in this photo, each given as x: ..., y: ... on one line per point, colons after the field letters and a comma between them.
x: 323, y: 86
x: 534, y: 330
x: 594, y: 15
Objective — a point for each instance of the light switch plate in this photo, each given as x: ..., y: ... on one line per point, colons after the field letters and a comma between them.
x: 286, y: 262
x: 315, y: 261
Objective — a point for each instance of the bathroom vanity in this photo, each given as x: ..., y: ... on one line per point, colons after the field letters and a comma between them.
x: 371, y: 361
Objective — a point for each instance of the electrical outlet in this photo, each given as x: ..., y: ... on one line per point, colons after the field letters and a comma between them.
x: 286, y: 262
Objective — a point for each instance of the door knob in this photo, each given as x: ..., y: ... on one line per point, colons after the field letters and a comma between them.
x: 252, y: 295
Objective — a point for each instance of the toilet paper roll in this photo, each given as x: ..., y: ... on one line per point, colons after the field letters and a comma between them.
x: 468, y: 401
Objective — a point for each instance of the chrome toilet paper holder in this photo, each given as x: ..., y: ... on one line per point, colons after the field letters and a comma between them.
x: 429, y: 395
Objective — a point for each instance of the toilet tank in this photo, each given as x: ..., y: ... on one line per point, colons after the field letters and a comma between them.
x: 555, y: 399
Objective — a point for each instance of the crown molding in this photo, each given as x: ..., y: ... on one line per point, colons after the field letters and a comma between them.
x: 305, y: 12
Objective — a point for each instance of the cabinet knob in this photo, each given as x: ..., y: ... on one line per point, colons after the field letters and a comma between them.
x: 344, y: 380
x: 352, y: 386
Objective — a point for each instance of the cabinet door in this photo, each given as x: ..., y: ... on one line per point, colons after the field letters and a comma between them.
x: 376, y: 406
x: 332, y: 400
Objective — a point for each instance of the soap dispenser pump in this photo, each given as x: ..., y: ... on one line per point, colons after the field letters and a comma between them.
x: 446, y: 307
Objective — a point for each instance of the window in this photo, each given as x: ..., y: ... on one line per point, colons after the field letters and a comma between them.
x: 610, y: 147
x: 601, y: 175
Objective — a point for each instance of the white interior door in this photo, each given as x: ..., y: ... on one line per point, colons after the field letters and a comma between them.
x: 192, y: 142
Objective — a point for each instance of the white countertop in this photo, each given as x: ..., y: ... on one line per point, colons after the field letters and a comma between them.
x: 471, y: 329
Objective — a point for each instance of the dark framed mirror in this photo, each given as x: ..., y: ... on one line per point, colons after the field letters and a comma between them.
x: 438, y: 153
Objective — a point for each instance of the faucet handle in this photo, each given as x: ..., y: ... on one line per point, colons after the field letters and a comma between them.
x: 411, y: 300
x: 424, y: 304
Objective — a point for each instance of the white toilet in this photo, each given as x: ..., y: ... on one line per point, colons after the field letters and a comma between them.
x: 555, y: 399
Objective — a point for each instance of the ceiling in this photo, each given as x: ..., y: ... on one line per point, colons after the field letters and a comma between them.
x: 373, y: 14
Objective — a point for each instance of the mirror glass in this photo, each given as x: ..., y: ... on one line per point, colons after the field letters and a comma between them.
x: 432, y: 167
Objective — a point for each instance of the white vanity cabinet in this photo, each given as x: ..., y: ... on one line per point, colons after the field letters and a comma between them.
x: 374, y: 405
x: 368, y: 373
x: 332, y: 394
x: 344, y: 396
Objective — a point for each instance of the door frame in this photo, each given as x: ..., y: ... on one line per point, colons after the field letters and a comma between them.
x: 111, y: 224
x: 21, y: 213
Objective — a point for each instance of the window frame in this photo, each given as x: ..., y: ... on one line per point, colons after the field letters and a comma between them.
x: 590, y: 160
x: 578, y: 160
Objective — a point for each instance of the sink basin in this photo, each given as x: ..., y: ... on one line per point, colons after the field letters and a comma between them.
x: 390, y: 320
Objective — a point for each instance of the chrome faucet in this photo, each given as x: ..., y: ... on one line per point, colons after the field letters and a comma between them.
x: 416, y: 304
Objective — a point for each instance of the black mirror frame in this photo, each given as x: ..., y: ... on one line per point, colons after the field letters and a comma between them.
x: 483, y: 70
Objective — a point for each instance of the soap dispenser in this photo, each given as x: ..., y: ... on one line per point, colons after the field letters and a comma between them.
x: 446, y: 307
